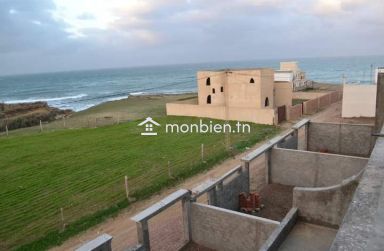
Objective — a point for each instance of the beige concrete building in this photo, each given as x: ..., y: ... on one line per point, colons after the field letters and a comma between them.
x: 359, y: 100
x: 245, y: 94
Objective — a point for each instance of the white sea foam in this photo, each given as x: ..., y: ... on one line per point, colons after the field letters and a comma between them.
x: 31, y: 100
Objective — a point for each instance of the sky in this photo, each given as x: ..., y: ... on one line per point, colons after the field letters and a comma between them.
x: 62, y: 35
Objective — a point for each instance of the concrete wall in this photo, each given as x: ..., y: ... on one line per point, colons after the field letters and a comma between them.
x: 311, y: 106
x: 358, y: 100
x: 260, y: 116
x: 326, y: 205
x: 227, y: 195
x: 294, y: 112
x: 258, y: 173
x: 289, y: 142
x: 283, y: 94
x: 363, y: 224
x: 308, y: 95
x: 226, y: 230
x: 311, y: 169
x: 346, y: 139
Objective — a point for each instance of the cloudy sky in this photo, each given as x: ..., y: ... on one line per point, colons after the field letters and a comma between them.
x: 55, y: 35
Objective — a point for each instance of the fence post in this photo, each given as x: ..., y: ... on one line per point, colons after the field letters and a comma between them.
x: 202, y: 152
x: 64, y: 122
x: 6, y: 130
x: 41, y: 127
x: 126, y: 187
x: 186, y: 205
x: 62, y: 218
x: 169, y: 169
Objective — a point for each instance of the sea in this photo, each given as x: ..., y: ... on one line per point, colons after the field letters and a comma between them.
x: 79, y: 90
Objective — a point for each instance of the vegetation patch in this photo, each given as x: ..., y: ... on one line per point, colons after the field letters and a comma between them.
x: 56, y: 184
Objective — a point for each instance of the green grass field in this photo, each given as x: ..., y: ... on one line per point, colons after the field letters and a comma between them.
x: 82, y: 171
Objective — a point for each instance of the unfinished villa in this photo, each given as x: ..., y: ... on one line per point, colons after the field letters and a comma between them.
x: 258, y: 95
x: 316, y: 186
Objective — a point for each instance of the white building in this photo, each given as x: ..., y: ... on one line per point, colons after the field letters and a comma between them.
x: 290, y: 72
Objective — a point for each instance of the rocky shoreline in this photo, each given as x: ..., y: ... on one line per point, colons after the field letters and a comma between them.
x: 14, y: 116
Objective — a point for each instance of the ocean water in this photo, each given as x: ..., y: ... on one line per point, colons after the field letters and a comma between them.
x: 79, y: 90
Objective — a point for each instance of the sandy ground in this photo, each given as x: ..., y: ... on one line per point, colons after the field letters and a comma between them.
x: 166, y: 228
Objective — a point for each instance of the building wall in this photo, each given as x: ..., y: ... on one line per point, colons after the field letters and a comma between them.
x: 260, y: 116
x: 225, y: 230
x: 348, y: 139
x: 312, y: 169
x: 289, y: 66
x: 294, y: 112
x: 217, y: 80
x: 358, y: 101
x: 283, y: 94
x: 238, y: 91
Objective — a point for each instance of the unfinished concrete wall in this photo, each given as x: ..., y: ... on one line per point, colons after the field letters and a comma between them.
x: 258, y: 173
x: 326, y: 205
x: 363, y: 224
x: 226, y: 230
x: 227, y: 195
x: 346, y: 139
x: 295, y: 112
x: 290, y: 142
x: 311, y: 169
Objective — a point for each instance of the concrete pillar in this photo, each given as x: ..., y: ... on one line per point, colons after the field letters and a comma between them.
x: 379, y: 103
x: 186, y: 206
x: 268, y: 166
x: 143, y: 234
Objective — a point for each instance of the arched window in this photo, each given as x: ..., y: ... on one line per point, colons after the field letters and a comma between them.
x: 222, y: 89
x: 208, y: 82
x: 209, y: 99
x: 266, y: 102
x: 252, y: 81
x: 213, y: 90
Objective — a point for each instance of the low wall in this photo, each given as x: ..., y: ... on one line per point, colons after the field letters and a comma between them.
x: 295, y: 112
x: 226, y: 195
x: 326, y: 205
x: 359, y: 101
x: 222, y: 229
x: 307, y: 95
x: 312, y: 169
x: 205, y: 111
x: 319, y: 102
x: 260, y: 116
x: 346, y: 139
x: 311, y: 106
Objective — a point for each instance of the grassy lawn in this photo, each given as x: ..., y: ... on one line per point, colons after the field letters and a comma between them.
x: 56, y: 184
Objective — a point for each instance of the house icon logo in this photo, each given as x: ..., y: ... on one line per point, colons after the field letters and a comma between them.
x: 149, y: 123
